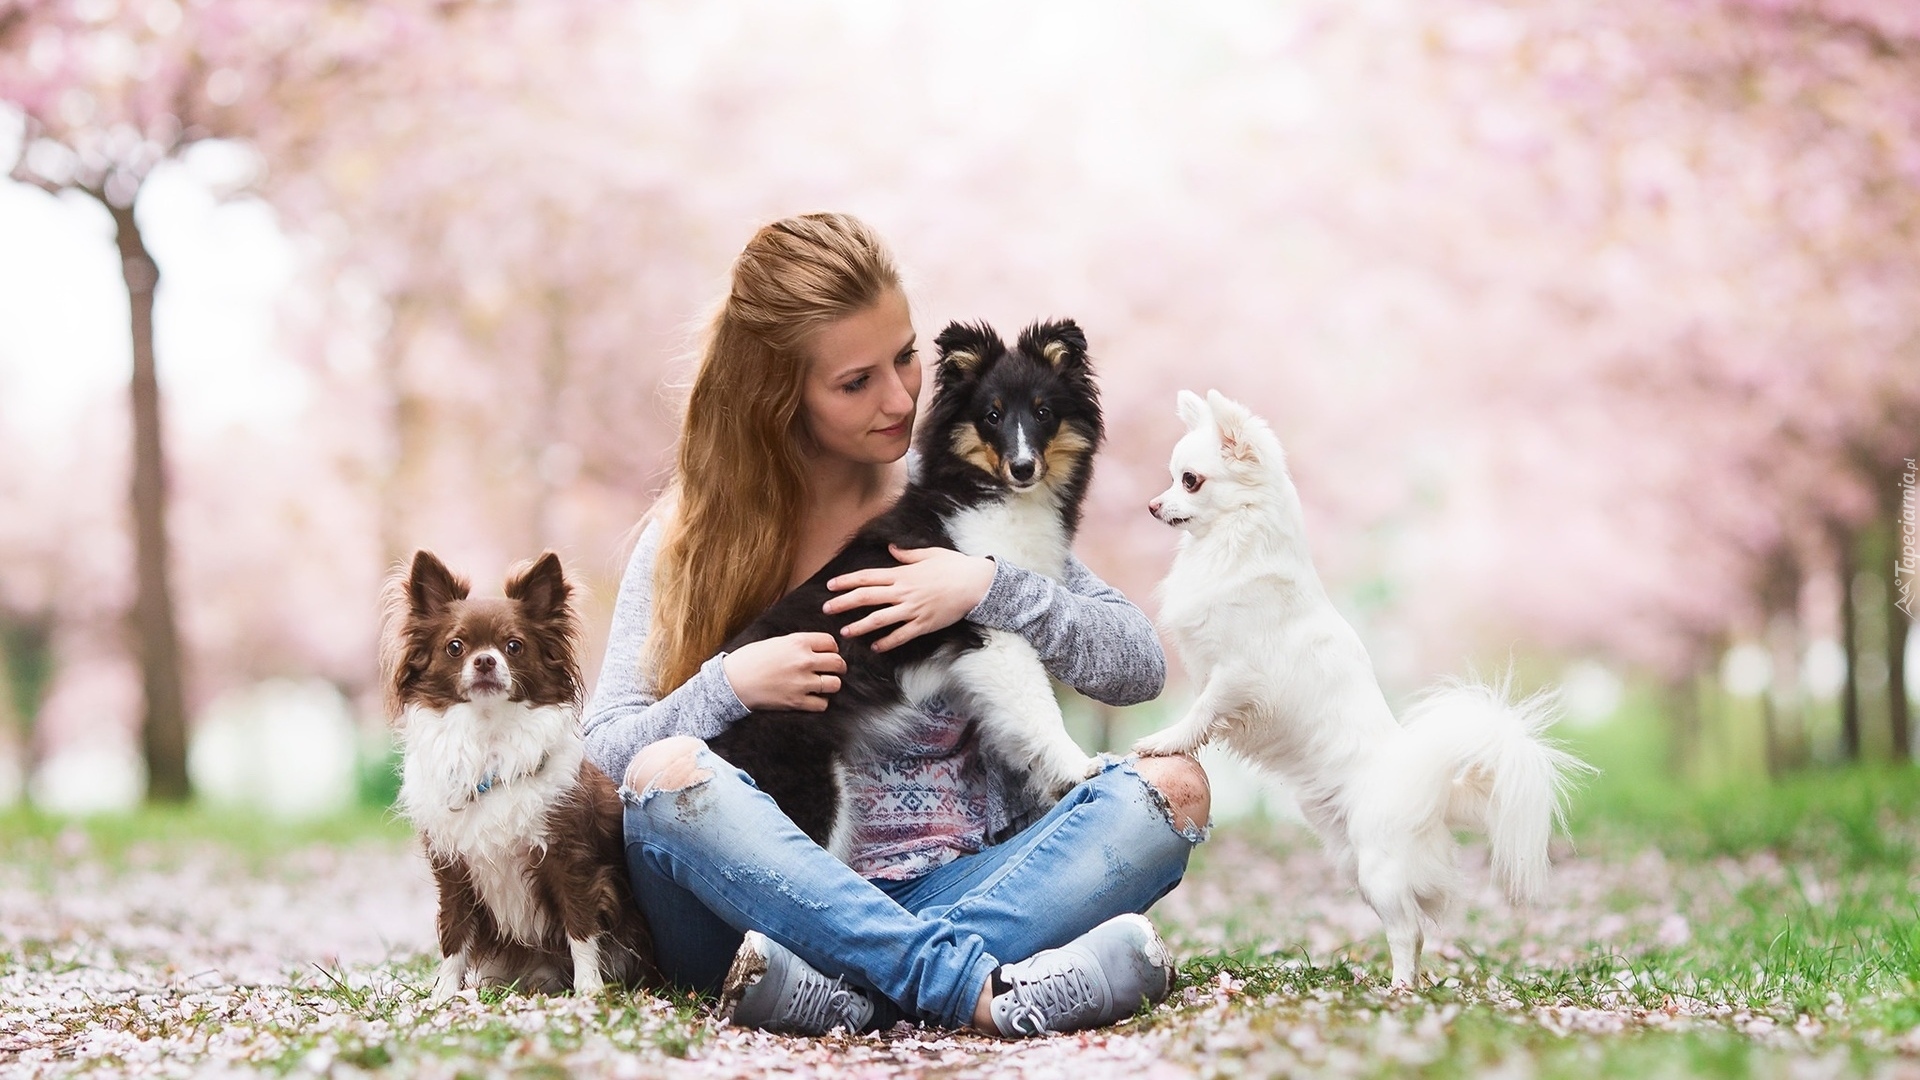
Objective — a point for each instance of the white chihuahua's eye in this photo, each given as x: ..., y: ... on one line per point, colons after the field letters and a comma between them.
x: 456, y: 647
x: 514, y: 645
x: 1190, y: 481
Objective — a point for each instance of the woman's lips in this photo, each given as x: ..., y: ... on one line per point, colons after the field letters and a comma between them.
x: 890, y: 432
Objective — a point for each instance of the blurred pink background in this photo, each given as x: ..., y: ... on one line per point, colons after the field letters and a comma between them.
x: 1591, y: 330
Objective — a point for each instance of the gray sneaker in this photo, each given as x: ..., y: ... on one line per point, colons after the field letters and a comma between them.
x: 771, y: 989
x: 1096, y: 979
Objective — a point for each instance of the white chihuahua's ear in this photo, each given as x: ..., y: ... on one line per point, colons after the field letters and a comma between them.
x: 1193, y: 411
x: 1233, y: 420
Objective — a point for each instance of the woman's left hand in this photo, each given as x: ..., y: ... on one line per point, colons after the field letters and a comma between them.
x: 932, y: 588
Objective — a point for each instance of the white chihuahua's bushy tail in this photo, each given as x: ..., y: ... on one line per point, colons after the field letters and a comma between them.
x: 1496, y: 771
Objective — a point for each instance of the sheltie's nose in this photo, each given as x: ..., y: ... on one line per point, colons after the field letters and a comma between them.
x: 1021, y: 469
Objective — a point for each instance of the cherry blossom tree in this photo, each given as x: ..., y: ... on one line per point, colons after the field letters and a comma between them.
x: 109, y: 91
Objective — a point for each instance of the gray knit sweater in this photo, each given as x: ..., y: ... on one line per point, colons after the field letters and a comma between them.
x: 1088, y: 635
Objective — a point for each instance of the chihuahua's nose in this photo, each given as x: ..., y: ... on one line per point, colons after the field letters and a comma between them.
x: 1153, y: 507
x: 1022, y: 470
x: 484, y: 664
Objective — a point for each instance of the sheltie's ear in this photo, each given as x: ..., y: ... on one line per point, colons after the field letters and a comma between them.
x: 540, y: 587
x: 967, y: 349
x: 1060, y: 343
x: 431, y: 586
x: 1193, y: 411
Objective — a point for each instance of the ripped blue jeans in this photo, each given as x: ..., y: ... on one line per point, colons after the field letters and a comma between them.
x: 717, y: 858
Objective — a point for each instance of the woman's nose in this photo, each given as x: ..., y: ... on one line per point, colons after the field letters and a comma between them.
x: 900, y: 398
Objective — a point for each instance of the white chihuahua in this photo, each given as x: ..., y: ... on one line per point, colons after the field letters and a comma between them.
x: 1285, y: 682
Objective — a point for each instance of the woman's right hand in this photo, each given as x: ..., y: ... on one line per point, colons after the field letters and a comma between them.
x: 796, y: 671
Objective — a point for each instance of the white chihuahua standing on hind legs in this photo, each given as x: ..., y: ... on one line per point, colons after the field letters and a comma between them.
x: 1284, y: 681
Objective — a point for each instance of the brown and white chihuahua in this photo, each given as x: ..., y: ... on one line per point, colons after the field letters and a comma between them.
x: 524, y: 834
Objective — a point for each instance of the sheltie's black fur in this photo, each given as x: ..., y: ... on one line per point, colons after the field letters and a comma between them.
x: 987, y: 397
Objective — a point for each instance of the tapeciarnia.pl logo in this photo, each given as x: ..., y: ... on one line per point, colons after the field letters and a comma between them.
x: 1903, y: 563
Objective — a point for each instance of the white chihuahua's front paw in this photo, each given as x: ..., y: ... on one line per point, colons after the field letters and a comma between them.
x: 1175, y: 740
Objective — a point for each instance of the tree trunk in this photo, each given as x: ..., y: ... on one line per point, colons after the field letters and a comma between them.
x: 412, y: 437
x: 1682, y: 697
x: 1849, y: 635
x: 163, y: 730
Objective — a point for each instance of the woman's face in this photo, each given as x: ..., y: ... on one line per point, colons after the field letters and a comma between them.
x: 863, y: 381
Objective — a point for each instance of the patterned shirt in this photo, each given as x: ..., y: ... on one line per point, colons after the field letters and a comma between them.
x: 922, y: 809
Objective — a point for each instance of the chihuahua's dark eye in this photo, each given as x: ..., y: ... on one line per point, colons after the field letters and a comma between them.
x: 1190, y: 481
x: 456, y: 647
x: 993, y: 417
x: 514, y: 645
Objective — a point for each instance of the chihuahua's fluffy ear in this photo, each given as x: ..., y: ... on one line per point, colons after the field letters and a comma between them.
x: 1193, y: 411
x: 1236, y: 426
x: 431, y: 586
x: 541, y: 587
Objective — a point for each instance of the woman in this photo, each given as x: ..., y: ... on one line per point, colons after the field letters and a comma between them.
x: 958, y: 906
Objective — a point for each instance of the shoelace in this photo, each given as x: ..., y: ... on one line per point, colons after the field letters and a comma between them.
x: 816, y: 1005
x: 1056, y: 995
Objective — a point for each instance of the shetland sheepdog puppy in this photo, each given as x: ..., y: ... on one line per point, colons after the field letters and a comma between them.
x: 1005, y: 455
x: 1284, y: 682
x: 523, y: 833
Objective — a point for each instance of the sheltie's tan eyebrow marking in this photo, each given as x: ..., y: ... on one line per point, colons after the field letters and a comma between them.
x: 969, y: 446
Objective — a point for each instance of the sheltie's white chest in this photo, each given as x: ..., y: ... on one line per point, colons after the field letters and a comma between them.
x: 1023, y: 529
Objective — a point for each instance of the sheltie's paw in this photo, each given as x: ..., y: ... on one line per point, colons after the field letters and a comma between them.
x: 1174, y: 740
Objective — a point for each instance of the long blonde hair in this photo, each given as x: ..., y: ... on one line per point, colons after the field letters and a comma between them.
x: 732, y: 509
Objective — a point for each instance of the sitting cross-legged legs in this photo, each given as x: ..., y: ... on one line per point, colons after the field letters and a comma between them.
x: 712, y: 858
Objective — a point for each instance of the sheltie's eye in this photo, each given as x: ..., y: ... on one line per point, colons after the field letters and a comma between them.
x: 993, y: 417
x: 1042, y: 413
x: 1190, y: 481
x: 456, y: 647
x: 514, y: 645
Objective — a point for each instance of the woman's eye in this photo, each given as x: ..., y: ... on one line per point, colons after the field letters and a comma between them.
x: 993, y: 417
x: 514, y: 645
x: 1190, y: 481
x: 856, y: 385
x: 456, y: 647
x: 907, y: 357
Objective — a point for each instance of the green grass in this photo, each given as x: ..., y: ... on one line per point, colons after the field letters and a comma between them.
x: 1799, y: 895
x: 27, y: 834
